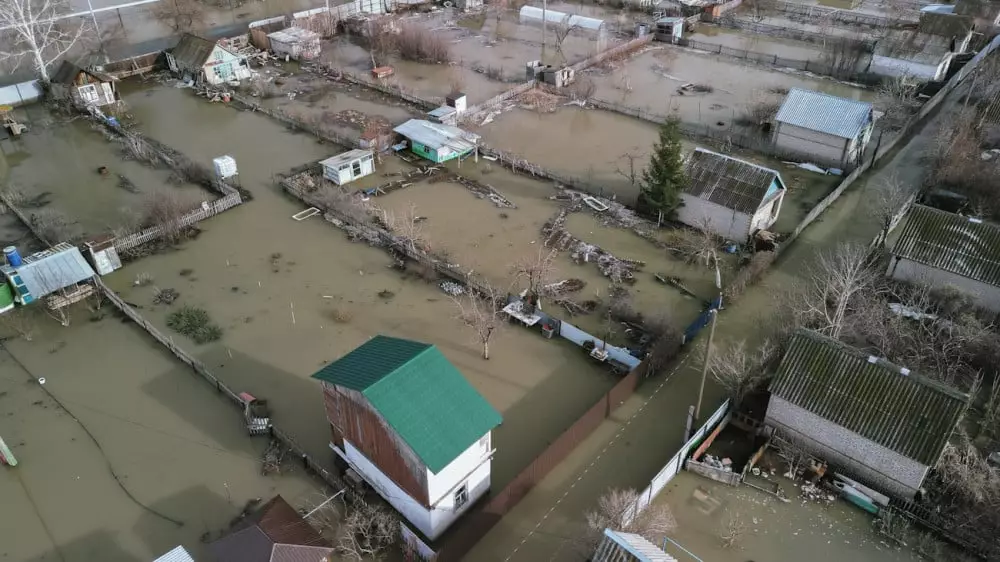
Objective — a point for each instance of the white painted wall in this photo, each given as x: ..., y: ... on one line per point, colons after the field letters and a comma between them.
x: 408, y: 507
x: 768, y: 213
x: 346, y: 172
x: 985, y: 295
x: 723, y: 221
x: 888, y: 66
x: 471, y: 468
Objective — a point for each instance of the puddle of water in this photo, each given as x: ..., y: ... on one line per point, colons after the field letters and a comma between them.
x: 177, y: 446
x: 61, y: 158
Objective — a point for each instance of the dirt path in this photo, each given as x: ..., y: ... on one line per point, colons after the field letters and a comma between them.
x: 628, y: 449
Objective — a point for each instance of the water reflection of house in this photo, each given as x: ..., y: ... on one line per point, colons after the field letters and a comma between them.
x: 826, y: 129
x: 616, y: 546
x: 275, y: 532
x: 943, y: 249
x: 731, y: 197
x: 84, y: 88
x: 879, y: 423
x: 405, y: 420
x: 437, y: 142
x: 202, y: 60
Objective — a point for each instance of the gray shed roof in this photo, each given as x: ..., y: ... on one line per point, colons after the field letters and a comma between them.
x: 869, y: 396
x: 824, y: 113
x: 58, y: 267
x: 961, y: 245
x: 617, y: 546
x: 915, y: 46
x: 733, y: 183
x: 291, y: 35
x: 178, y: 554
x: 345, y: 158
x: 192, y: 51
x: 438, y: 135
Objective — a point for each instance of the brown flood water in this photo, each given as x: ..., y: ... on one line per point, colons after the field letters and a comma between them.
x: 292, y: 296
x: 176, y: 445
x: 57, y: 160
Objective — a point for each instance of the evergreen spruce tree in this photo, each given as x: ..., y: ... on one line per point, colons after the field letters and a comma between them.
x: 665, y: 178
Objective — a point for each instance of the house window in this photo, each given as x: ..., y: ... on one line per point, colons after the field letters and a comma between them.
x: 89, y: 93
x: 356, y: 168
x: 462, y: 495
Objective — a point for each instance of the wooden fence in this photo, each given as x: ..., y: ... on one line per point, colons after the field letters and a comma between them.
x: 495, y: 102
x: 797, y: 34
x: 220, y: 387
x: 315, y: 130
x: 207, y: 210
x: 133, y: 65
x: 620, y: 50
x: 849, y: 17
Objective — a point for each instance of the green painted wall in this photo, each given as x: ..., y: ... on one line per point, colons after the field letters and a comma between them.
x: 431, y: 154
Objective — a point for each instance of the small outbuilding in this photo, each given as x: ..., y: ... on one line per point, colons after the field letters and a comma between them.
x: 85, y: 88
x: 823, y: 128
x: 349, y: 166
x: 58, y: 269
x: 275, y: 532
x: 876, y: 422
x: 296, y: 43
x: 925, y: 53
x: 406, y: 420
x: 437, y: 142
x: 731, y: 197
x: 207, y: 61
x: 177, y: 554
x: 942, y: 249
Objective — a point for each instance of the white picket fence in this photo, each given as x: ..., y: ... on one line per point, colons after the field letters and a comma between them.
x: 207, y: 210
x: 676, y: 463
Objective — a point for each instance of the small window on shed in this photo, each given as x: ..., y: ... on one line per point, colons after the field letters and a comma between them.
x: 462, y: 495
x: 89, y: 93
x: 356, y: 167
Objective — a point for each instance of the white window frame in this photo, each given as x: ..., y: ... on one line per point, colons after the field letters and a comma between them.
x: 356, y: 168
x: 461, y: 495
x: 89, y: 93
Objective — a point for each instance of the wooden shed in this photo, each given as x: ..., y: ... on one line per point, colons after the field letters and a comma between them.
x: 84, y: 88
x: 349, y: 166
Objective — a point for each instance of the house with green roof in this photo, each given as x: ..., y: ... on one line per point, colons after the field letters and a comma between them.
x: 939, y: 248
x: 876, y: 422
x: 406, y: 420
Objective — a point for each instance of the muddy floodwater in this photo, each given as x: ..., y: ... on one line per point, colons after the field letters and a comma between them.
x: 651, y: 81
x: 292, y: 296
x: 739, y: 40
x: 55, y: 165
x: 176, y: 446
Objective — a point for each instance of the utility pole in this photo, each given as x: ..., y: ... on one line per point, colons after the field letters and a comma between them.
x: 545, y: 7
x: 714, y: 310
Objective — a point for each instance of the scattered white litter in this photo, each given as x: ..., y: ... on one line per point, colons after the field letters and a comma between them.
x: 452, y: 288
x: 808, y: 166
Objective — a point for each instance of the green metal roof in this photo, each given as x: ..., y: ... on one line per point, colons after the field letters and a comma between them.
x: 961, y: 245
x: 871, y: 397
x: 419, y: 393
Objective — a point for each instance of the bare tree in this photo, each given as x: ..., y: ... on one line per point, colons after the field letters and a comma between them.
x: 991, y: 408
x: 407, y: 228
x: 740, y: 371
x: 165, y: 208
x: 368, y: 531
x: 625, y: 166
x: 535, y: 270
x: 561, y: 31
x: 582, y: 89
x: 697, y: 244
x: 616, y: 510
x: 759, y: 10
x: 53, y: 226
x: 897, y: 100
x: 35, y: 31
x: 762, y: 107
x: 482, y: 313
x: 794, y: 455
x: 834, y: 281
x: 19, y: 322
x: 889, y: 202
x: 180, y: 15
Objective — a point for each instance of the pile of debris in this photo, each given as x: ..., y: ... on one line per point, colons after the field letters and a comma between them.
x: 812, y: 492
x: 537, y: 99
x: 616, y: 215
x: 452, y: 288
x: 724, y: 464
x: 619, y: 270
x: 484, y: 191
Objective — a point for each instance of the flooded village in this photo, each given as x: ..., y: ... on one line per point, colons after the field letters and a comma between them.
x: 681, y: 280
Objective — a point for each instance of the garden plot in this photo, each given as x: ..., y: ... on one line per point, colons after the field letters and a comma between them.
x: 706, y: 91
x: 291, y: 296
x: 77, y: 183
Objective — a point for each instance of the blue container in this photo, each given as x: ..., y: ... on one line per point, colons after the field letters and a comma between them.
x: 13, y: 258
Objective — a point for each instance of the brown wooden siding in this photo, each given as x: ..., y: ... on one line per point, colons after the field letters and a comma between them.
x: 354, y: 421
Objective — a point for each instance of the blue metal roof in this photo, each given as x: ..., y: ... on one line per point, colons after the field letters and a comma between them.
x: 438, y: 135
x: 824, y: 113
x: 46, y: 272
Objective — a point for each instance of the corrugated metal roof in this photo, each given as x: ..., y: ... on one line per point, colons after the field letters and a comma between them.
x: 275, y: 532
x: 58, y: 267
x: 438, y: 135
x: 828, y: 114
x: 345, y: 158
x: 296, y: 553
x: 178, y: 554
x: 733, y: 183
x: 192, y: 52
x: 249, y: 544
x: 419, y: 393
x: 617, y: 544
x: 293, y: 35
x: 871, y: 397
x: 942, y: 240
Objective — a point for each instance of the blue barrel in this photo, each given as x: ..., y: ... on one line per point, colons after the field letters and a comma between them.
x: 13, y: 258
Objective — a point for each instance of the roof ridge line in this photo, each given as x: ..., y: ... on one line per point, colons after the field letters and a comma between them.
x: 401, y: 365
x: 887, y: 365
x: 726, y: 156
